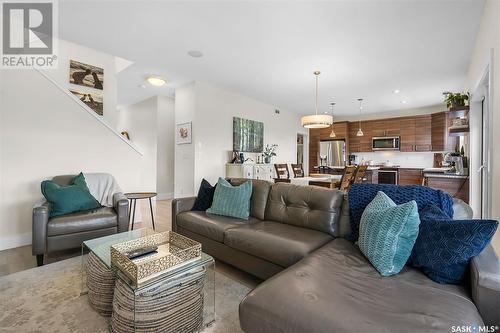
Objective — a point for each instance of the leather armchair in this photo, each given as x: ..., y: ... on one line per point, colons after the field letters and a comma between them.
x: 69, y: 231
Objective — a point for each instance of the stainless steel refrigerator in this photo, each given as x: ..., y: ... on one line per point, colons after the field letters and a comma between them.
x: 332, y: 153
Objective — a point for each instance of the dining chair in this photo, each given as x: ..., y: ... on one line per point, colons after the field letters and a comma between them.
x: 359, y: 176
x: 298, y: 170
x: 282, y: 173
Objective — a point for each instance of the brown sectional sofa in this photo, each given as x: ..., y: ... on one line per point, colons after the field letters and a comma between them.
x: 319, y: 282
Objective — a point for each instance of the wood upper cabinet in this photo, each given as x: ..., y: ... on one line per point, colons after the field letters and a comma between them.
x: 360, y: 143
x: 415, y: 133
x: 440, y: 139
x: 407, y: 134
x: 423, y: 126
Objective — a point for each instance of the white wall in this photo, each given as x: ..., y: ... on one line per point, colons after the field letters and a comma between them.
x: 166, y: 145
x: 140, y: 121
x: 489, y: 38
x: 212, y: 110
x: 44, y: 132
x: 185, y: 107
x: 70, y: 51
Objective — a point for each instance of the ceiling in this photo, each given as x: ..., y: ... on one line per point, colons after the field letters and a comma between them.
x: 269, y: 50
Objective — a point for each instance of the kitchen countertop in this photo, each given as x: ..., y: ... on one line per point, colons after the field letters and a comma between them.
x: 445, y: 175
x: 343, y: 167
x: 437, y: 170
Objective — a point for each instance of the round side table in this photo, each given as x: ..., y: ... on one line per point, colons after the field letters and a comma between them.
x: 133, y: 197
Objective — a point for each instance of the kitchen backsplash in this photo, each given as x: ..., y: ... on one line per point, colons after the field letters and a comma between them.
x: 406, y: 160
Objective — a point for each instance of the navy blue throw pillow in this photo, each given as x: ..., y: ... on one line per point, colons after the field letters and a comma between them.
x: 360, y: 195
x: 444, y: 246
x: 205, y: 196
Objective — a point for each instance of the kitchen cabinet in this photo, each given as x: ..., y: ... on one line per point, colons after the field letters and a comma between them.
x: 457, y: 187
x: 407, y: 137
x: 251, y: 171
x: 440, y: 139
x: 360, y: 143
x: 409, y: 176
x: 416, y: 133
x: 423, y: 128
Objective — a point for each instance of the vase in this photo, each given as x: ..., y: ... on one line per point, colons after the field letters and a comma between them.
x: 267, y: 159
x: 457, y: 104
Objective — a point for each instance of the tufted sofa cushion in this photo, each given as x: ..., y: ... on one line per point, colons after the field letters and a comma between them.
x: 305, y: 206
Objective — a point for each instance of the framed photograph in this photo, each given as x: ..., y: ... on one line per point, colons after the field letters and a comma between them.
x: 93, y: 100
x: 86, y: 75
x: 184, y: 134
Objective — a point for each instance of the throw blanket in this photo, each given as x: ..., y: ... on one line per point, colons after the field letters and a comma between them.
x: 360, y: 195
x: 102, y: 186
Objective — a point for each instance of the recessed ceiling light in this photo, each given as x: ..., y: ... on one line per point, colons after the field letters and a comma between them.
x: 156, y: 81
x: 403, y: 102
x: 397, y: 91
x: 195, y: 53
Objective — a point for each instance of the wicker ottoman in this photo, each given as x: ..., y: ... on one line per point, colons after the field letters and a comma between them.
x: 171, y: 305
x: 100, y: 285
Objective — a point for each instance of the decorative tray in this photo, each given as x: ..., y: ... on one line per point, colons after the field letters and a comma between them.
x: 173, y: 250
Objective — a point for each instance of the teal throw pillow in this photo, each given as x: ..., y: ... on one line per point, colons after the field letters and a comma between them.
x: 387, y: 233
x: 231, y: 200
x: 68, y: 199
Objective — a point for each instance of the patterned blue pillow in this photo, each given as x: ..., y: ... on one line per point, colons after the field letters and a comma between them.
x: 387, y: 233
x: 231, y: 200
x: 360, y: 195
x: 444, y: 246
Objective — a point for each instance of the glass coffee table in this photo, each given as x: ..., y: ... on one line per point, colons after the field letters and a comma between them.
x: 180, y: 299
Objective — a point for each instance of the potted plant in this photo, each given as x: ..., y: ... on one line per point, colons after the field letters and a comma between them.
x: 456, y: 100
x: 269, y: 152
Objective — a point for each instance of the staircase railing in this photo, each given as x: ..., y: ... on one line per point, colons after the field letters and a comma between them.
x: 89, y: 111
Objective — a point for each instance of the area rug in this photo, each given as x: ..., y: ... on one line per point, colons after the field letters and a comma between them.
x: 47, y: 299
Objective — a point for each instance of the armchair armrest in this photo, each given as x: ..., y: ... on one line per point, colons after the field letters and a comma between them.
x: 181, y: 205
x: 120, y: 203
x: 41, y: 212
x: 485, y: 285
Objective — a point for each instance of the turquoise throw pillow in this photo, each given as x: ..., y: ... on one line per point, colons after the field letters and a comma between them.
x: 68, y: 199
x: 231, y: 200
x: 387, y: 233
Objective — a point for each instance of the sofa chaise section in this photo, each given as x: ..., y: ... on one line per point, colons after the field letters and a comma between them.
x: 335, y: 289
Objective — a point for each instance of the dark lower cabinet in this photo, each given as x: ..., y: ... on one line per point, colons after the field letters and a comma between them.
x: 456, y: 187
x: 410, y: 176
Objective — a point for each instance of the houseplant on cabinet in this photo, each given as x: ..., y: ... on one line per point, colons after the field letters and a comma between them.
x: 455, y: 100
x: 269, y: 152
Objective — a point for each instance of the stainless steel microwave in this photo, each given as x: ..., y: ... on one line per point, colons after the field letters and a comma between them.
x: 385, y: 143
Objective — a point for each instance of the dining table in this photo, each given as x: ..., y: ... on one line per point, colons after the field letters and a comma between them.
x: 303, y: 181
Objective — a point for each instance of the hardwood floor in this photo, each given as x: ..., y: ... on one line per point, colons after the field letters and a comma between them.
x: 19, y: 259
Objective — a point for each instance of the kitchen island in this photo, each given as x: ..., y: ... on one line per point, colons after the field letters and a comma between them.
x: 438, y: 178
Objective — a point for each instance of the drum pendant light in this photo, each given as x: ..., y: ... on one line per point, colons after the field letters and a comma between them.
x: 316, y: 120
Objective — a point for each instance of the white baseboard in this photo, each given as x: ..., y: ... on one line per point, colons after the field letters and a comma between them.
x: 10, y: 242
x: 165, y: 196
